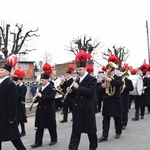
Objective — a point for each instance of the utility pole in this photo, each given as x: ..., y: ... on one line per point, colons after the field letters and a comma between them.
x: 148, y: 40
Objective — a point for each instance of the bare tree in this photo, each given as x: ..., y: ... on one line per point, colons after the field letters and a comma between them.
x: 47, y: 57
x: 17, y: 42
x: 86, y: 44
x: 121, y: 52
x: 40, y: 63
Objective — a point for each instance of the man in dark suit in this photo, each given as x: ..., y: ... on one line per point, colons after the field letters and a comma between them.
x: 126, y: 88
x: 24, y: 89
x: 8, y: 99
x: 22, y: 92
x: 83, y: 109
x: 68, y: 102
x: 45, y: 112
x: 112, y: 104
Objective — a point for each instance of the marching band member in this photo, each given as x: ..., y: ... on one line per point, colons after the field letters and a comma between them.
x: 140, y: 103
x: 58, y: 97
x: 112, y: 103
x: 21, y: 113
x: 8, y: 106
x: 68, y: 102
x: 23, y: 119
x: 45, y: 113
x: 126, y: 88
x: 147, y: 90
x: 131, y: 97
x: 99, y: 91
x: 84, y: 120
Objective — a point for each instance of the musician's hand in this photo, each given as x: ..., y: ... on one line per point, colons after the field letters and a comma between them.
x: 39, y: 94
x: 106, y: 78
x: 33, y: 98
x: 68, y: 89
x: 103, y: 85
x: 75, y: 85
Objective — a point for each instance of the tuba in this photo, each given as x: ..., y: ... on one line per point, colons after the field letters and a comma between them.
x: 125, y: 73
x: 109, y: 90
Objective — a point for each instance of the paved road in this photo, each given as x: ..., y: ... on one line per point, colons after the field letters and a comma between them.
x: 135, y: 137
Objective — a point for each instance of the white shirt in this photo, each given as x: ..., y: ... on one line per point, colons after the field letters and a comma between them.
x: 43, y: 87
x: 1, y: 80
x: 81, y: 78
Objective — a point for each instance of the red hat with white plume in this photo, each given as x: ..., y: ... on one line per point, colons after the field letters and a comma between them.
x: 11, y: 62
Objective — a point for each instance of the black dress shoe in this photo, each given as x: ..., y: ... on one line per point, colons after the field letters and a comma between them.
x: 102, y: 139
x: 36, y: 145
x: 62, y: 121
x: 142, y: 117
x: 52, y: 143
x: 135, y: 119
x: 117, y: 136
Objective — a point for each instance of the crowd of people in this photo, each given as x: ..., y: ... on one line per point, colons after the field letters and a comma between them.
x: 83, y: 95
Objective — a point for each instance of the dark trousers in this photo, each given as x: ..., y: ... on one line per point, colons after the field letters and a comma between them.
x: 106, y: 125
x: 140, y: 110
x: 22, y: 125
x: 125, y: 119
x: 58, y: 103
x: 148, y: 107
x: 17, y: 143
x: 75, y: 140
x: 65, y: 111
x: 40, y: 132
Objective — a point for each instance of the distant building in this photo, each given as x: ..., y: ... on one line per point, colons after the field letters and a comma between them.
x: 60, y: 69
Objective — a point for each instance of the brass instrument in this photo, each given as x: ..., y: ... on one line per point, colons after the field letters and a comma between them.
x: 109, y: 90
x: 59, y: 86
x: 125, y: 73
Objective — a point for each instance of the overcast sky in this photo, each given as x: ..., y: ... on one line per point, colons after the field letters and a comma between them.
x: 112, y: 22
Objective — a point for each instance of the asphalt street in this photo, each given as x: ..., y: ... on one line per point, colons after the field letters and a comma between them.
x: 135, y: 137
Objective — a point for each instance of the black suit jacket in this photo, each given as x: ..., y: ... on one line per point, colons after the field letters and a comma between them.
x: 84, y: 106
x: 8, y: 109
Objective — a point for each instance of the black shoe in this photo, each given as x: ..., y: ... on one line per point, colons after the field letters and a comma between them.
x: 123, y: 127
x: 62, y: 121
x: 142, y: 117
x: 135, y: 119
x: 117, y: 136
x: 22, y: 134
x: 102, y: 139
x: 36, y: 145
x: 53, y: 143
